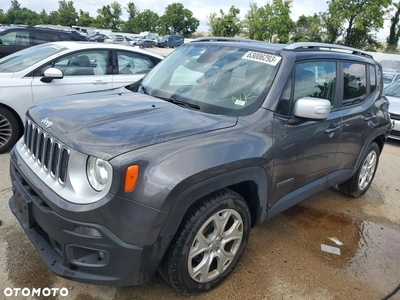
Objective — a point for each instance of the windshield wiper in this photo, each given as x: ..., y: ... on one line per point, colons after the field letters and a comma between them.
x: 181, y: 103
x: 144, y: 89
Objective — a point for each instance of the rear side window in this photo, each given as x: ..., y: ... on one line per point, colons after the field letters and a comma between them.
x: 133, y: 63
x: 43, y: 37
x: 354, y: 83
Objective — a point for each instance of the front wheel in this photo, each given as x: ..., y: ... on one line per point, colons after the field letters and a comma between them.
x: 9, y: 130
x: 359, y: 183
x: 208, y: 244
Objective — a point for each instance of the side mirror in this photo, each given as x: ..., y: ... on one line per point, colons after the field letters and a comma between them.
x: 312, y: 108
x: 50, y: 74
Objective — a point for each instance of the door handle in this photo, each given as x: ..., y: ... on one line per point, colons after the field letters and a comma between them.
x: 332, y: 130
x: 370, y: 117
x: 99, y: 82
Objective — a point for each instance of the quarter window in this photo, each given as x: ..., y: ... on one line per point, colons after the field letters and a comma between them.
x: 354, y: 81
x: 372, y: 78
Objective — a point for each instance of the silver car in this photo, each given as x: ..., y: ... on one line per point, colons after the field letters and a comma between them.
x: 393, y: 94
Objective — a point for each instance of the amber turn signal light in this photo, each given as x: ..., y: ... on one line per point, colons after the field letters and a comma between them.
x: 132, y: 174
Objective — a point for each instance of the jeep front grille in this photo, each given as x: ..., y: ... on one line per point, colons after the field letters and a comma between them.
x: 47, y: 152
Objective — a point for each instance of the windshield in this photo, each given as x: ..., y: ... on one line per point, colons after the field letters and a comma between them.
x: 387, y: 78
x: 218, y: 79
x: 23, y: 59
x: 393, y: 90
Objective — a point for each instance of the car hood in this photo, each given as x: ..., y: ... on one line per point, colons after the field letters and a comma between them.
x: 108, y: 123
x: 394, y: 105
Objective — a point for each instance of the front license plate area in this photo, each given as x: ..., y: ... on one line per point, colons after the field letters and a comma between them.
x: 25, y: 207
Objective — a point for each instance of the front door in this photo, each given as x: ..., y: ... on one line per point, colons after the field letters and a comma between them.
x: 305, y: 149
x: 84, y: 71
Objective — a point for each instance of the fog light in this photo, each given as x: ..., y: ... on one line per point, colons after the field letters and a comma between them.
x: 87, y: 231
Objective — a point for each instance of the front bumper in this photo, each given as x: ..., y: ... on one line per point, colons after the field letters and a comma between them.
x: 395, y: 132
x: 104, y: 259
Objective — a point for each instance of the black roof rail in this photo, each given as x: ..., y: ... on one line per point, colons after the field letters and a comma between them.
x: 223, y: 39
x: 303, y: 46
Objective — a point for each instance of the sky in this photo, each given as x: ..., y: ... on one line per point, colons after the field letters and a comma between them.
x: 200, y: 8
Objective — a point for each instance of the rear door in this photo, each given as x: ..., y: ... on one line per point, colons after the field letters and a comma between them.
x: 305, y: 150
x: 84, y: 71
x: 359, y: 112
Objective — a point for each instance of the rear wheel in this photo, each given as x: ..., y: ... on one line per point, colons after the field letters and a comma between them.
x: 9, y: 130
x: 208, y: 244
x: 359, y: 183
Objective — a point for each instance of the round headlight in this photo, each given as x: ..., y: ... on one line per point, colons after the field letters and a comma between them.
x: 97, y: 173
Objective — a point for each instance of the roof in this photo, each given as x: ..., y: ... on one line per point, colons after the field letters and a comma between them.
x: 41, y: 28
x: 72, y: 45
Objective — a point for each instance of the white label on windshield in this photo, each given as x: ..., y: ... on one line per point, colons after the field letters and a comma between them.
x: 240, y: 102
x: 269, y: 59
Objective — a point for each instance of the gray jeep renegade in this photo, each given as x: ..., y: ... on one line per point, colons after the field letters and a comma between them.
x: 172, y: 172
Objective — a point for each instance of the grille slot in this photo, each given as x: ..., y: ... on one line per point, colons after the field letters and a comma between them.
x: 395, y: 133
x: 47, y: 152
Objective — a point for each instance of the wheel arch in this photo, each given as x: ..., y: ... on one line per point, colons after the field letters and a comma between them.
x: 16, y: 115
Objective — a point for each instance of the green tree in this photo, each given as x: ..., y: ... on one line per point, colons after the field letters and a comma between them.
x: 13, y: 15
x: 132, y: 10
x: 333, y: 27
x: 308, y: 29
x: 178, y: 20
x: 225, y: 24
x: 147, y: 21
x: 250, y: 21
x: 53, y: 18
x: 2, y: 17
x: 394, y: 33
x: 129, y: 26
x: 272, y: 21
x: 85, y: 19
x: 43, y: 17
x: 67, y: 15
x: 360, y: 17
x: 109, y: 16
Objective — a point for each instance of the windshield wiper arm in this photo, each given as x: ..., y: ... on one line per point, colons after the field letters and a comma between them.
x: 144, y: 89
x: 181, y: 103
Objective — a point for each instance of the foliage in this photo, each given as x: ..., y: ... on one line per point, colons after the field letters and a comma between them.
x: 271, y: 22
x: 308, y: 29
x: 109, y: 16
x: 146, y: 20
x: 67, y: 15
x: 360, y: 17
x: 85, y: 19
x: 178, y: 20
x: 225, y: 24
x: 394, y: 34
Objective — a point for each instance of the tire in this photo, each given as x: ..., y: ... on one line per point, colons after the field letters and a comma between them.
x: 9, y: 130
x: 360, y: 182
x: 186, y: 275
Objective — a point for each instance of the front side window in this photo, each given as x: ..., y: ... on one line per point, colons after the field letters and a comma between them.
x: 311, y: 79
x: 355, y: 83
x: 16, y: 38
x: 43, y: 37
x: 83, y: 63
x: 217, y: 78
x: 133, y: 63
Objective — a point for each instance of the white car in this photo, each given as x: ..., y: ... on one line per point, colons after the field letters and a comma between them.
x: 62, y: 68
x: 392, y: 93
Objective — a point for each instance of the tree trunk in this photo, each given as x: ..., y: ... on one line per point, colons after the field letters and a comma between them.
x: 348, y: 31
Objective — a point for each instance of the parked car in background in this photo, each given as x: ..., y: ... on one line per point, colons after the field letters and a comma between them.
x: 16, y: 38
x: 392, y: 92
x: 170, y: 41
x: 98, y: 37
x: 389, y: 77
x: 145, y: 43
x: 63, y: 68
x: 117, y: 39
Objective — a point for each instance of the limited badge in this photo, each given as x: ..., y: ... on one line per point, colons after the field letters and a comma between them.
x: 269, y: 59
